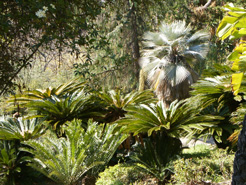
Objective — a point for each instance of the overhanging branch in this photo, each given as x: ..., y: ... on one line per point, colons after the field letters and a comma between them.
x: 20, y: 68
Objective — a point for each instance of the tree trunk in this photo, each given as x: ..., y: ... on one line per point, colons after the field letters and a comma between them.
x: 239, y: 166
x: 134, y: 39
x: 141, y: 81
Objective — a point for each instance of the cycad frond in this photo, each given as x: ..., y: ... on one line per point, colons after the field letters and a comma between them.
x: 117, y: 102
x: 176, y: 121
x: 66, y: 160
x: 21, y: 129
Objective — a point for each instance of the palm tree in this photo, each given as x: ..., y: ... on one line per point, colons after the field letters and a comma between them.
x: 169, y: 56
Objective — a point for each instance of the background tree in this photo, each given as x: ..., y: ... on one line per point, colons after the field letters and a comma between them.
x: 27, y: 26
x: 90, y: 31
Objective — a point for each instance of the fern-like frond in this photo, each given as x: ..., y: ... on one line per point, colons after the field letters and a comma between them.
x: 66, y: 160
x: 179, y: 119
x: 21, y: 129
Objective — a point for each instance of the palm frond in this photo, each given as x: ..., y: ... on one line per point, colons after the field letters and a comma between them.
x: 169, y: 56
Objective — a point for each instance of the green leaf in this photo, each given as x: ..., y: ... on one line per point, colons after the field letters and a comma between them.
x: 234, y: 56
x: 224, y: 30
x: 236, y: 82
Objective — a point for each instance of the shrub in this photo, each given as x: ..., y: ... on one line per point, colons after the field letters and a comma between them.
x: 120, y: 174
x: 203, y: 164
x: 155, y: 157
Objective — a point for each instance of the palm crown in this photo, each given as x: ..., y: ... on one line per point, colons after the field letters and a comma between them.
x: 168, y: 58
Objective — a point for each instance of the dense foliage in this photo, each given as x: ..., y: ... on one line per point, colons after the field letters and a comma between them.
x: 69, y: 133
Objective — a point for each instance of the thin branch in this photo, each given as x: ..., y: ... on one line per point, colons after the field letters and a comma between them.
x: 204, y: 7
x: 21, y: 67
x: 207, y: 4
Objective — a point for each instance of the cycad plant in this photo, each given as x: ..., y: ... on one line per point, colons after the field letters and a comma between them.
x: 20, y: 129
x: 178, y: 120
x: 214, y: 93
x: 155, y: 156
x: 11, y: 160
x: 66, y: 160
x: 38, y: 94
x: 57, y: 105
x: 169, y: 59
x: 115, y: 102
x: 58, y: 110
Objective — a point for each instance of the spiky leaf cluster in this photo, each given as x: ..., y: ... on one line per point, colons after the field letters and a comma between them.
x: 21, y: 129
x: 116, y: 102
x: 155, y: 156
x: 179, y: 119
x: 66, y: 160
x: 60, y: 104
x: 46, y: 94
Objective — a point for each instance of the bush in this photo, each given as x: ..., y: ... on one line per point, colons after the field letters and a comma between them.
x: 203, y: 164
x: 120, y: 174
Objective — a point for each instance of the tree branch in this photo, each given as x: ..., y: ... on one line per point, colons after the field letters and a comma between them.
x: 21, y: 67
x: 204, y: 7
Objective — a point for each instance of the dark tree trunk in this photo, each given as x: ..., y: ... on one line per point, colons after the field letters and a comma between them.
x: 134, y: 38
x: 239, y: 166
